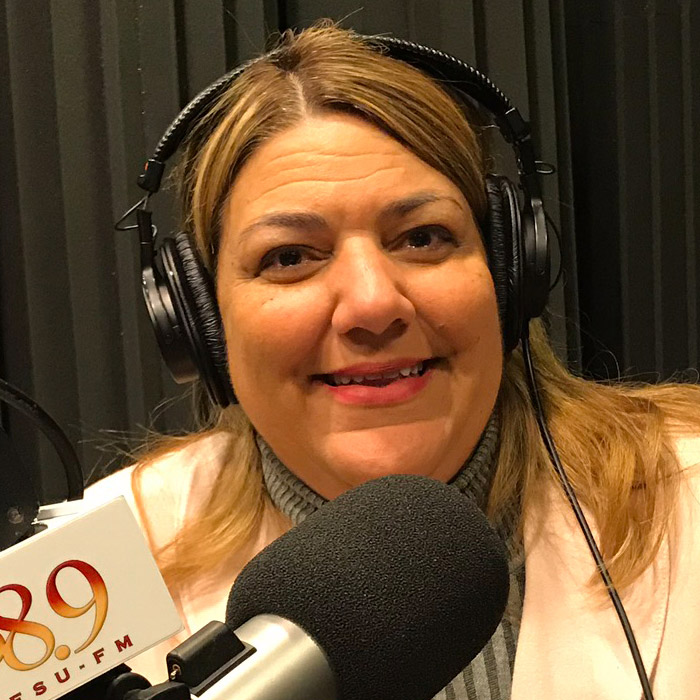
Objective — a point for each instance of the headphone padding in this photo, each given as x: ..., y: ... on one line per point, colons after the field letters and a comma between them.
x: 516, y: 286
x: 503, y: 252
x: 203, y: 315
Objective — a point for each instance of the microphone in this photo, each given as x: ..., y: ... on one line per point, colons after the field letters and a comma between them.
x: 388, y: 592
x: 78, y: 599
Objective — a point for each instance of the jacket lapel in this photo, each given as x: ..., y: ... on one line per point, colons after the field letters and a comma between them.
x: 571, y: 643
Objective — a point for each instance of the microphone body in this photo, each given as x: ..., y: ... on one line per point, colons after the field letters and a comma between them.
x: 386, y: 593
x: 286, y: 665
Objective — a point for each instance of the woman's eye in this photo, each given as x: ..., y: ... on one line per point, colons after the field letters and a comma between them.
x: 287, y: 258
x: 289, y: 263
x: 427, y: 239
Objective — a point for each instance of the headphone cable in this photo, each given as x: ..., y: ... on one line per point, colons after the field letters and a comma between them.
x: 581, y: 518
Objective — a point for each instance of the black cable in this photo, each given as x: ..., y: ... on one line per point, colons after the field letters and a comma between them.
x: 69, y: 459
x: 583, y: 523
x: 143, y: 202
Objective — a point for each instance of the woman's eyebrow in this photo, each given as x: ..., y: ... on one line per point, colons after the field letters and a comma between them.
x: 404, y: 206
x: 286, y: 219
x: 313, y: 221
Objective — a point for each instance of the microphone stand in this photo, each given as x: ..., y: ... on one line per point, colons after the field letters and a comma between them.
x: 121, y: 683
x: 121, y: 689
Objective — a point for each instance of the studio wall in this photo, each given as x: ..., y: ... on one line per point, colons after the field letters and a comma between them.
x: 88, y: 86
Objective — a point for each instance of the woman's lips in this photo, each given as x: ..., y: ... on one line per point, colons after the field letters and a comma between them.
x: 378, y: 383
x: 397, y: 391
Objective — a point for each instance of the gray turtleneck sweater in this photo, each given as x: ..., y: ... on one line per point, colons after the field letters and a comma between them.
x: 489, y: 675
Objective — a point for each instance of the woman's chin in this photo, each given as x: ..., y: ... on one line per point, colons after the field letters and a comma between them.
x: 352, y: 461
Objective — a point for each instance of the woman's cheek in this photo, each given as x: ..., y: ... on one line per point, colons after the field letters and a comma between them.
x: 280, y: 326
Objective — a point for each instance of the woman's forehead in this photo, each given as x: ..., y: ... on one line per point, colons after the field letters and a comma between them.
x: 334, y: 156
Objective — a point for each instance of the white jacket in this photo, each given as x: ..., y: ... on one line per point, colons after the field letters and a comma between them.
x: 571, y: 645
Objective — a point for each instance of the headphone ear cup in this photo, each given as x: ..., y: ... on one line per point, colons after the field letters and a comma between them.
x: 194, y: 300
x: 503, y: 238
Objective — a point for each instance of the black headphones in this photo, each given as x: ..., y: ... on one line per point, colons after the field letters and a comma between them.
x: 179, y: 292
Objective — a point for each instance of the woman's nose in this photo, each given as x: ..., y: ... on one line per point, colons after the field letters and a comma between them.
x: 371, y: 300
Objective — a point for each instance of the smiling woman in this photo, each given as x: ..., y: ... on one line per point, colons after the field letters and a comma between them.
x: 344, y: 260
x: 371, y: 325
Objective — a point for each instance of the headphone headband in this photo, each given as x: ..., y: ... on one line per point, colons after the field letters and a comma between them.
x: 477, y: 88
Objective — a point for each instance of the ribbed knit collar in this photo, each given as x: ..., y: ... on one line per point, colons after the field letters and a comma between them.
x: 489, y: 674
x: 296, y: 500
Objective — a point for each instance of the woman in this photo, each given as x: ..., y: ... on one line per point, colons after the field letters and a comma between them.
x: 337, y: 196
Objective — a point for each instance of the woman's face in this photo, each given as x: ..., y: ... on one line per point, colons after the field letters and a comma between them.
x: 359, y: 313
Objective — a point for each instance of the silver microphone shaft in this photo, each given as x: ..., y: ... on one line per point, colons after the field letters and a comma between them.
x: 287, y: 665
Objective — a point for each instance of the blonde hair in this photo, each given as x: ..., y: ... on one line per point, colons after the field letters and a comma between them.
x: 321, y: 70
x: 613, y: 439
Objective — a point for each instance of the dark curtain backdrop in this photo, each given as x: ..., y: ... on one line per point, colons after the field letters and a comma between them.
x: 88, y: 86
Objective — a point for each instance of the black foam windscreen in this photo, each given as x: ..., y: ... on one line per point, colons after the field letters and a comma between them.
x: 401, y: 581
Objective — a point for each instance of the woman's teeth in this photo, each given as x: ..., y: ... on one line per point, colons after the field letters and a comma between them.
x: 384, y: 377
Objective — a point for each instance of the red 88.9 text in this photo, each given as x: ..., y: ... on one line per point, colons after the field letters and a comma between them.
x: 20, y: 625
